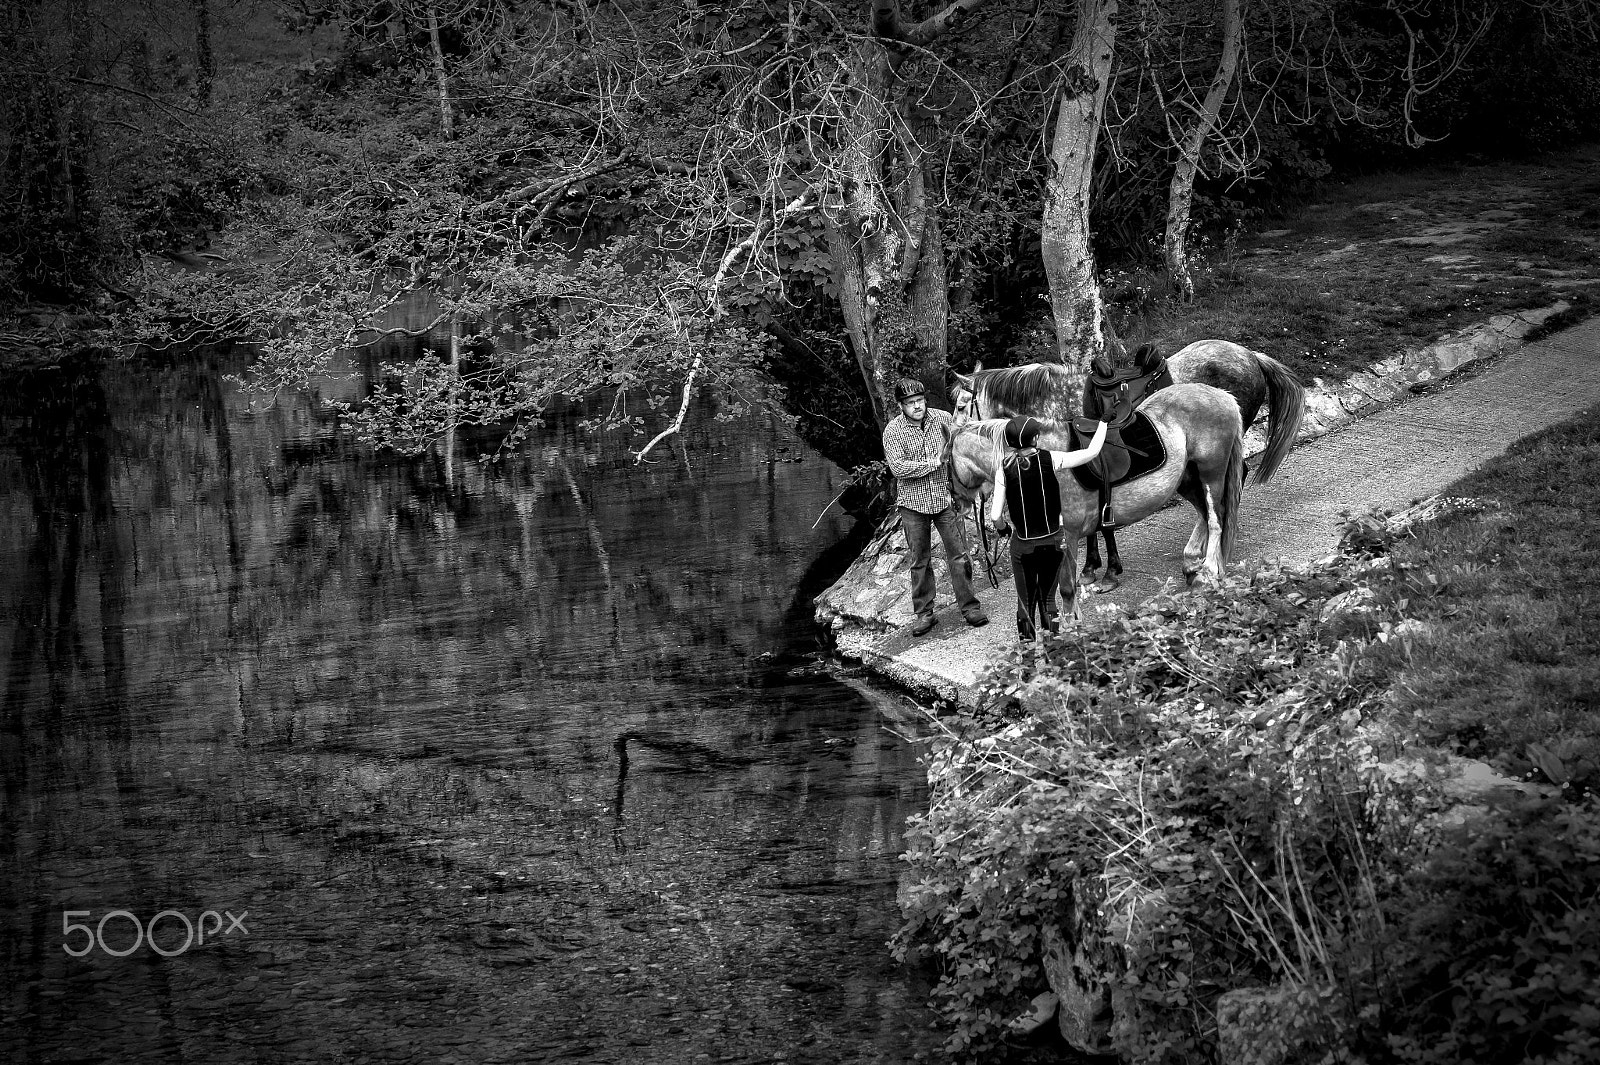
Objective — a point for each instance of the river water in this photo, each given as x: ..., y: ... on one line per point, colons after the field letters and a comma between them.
x: 539, y: 765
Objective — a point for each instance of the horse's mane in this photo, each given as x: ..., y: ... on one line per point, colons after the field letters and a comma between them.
x: 1022, y: 388
x: 991, y: 429
x: 990, y: 432
x: 993, y: 432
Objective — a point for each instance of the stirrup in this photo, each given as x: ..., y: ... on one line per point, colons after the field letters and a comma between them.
x: 1108, y: 520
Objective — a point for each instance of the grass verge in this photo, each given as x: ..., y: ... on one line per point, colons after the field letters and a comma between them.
x: 1384, y: 263
x: 1512, y: 665
x: 1220, y: 804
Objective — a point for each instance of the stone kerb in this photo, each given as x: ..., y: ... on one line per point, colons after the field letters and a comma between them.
x: 1366, y: 392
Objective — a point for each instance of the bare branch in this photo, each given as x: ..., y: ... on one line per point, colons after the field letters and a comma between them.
x: 887, y: 25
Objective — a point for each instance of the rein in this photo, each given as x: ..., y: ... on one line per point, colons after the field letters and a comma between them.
x: 988, y: 552
x: 978, y: 509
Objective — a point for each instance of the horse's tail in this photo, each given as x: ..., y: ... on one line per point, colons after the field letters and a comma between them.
x: 1286, y: 397
x: 1232, y: 491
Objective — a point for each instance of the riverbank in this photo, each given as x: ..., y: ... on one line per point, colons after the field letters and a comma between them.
x: 1124, y: 783
x: 1341, y: 807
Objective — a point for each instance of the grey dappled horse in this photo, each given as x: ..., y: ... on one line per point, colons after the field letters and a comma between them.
x: 1204, y: 439
x: 1045, y: 390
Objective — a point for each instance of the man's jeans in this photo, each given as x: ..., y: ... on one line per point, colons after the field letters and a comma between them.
x: 919, y: 539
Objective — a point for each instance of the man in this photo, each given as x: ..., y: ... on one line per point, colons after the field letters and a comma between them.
x: 916, y: 445
x: 1030, y: 495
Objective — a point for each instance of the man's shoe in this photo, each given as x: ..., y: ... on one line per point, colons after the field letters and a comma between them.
x: 976, y: 618
x: 924, y: 623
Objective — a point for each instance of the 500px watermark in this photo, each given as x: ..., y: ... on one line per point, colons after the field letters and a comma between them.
x: 145, y: 932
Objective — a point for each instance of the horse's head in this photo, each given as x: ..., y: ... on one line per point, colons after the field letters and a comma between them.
x: 964, y: 396
x: 974, y: 458
x: 964, y: 401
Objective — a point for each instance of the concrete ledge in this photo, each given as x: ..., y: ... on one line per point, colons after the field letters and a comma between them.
x: 865, y: 648
x: 1330, y: 407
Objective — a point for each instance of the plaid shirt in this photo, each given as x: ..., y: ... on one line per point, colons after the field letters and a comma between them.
x: 914, y: 454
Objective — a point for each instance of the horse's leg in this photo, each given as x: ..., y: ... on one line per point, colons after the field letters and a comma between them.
x: 1067, y: 580
x: 1213, y: 563
x: 1091, y: 555
x: 1206, y: 490
x: 1113, y: 564
x: 1071, y: 588
x: 1222, y: 508
x: 1193, y: 489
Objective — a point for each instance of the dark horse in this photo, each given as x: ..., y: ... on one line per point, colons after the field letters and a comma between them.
x: 1049, y: 391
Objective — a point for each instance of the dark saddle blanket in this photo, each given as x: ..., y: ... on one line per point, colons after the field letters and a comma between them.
x: 1130, y: 451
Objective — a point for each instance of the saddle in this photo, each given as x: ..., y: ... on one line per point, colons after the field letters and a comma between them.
x: 1132, y: 447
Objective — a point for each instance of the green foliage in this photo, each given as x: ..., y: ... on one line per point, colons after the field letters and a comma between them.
x: 685, y: 132
x: 187, y: 188
x: 980, y: 907
x: 1194, y: 763
x: 1499, y: 952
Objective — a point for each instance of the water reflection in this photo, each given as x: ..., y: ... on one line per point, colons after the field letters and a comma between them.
x: 529, y: 767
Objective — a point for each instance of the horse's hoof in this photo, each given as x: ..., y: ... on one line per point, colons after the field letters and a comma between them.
x: 1087, y: 571
x: 1105, y: 584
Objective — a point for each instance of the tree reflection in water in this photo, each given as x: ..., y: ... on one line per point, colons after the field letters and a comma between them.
x: 535, y: 765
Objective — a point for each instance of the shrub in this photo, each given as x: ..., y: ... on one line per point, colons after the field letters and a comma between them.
x: 1193, y: 773
x: 1202, y: 778
x: 186, y: 188
x: 1499, y: 955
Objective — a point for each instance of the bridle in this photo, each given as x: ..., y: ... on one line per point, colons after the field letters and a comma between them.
x: 969, y: 492
x: 967, y: 409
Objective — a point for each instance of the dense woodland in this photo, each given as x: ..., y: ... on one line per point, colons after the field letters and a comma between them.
x: 742, y: 202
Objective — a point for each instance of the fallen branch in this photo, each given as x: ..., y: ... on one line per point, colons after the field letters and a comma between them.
x: 677, y: 423
x: 732, y: 256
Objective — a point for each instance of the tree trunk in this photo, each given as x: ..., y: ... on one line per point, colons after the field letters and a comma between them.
x: 883, y: 228
x: 862, y: 240
x: 930, y: 311
x: 446, y: 120
x: 859, y: 323
x: 885, y: 243
x: 205, y: 58
x: 1181, y: 197
x: 1064, y: 236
